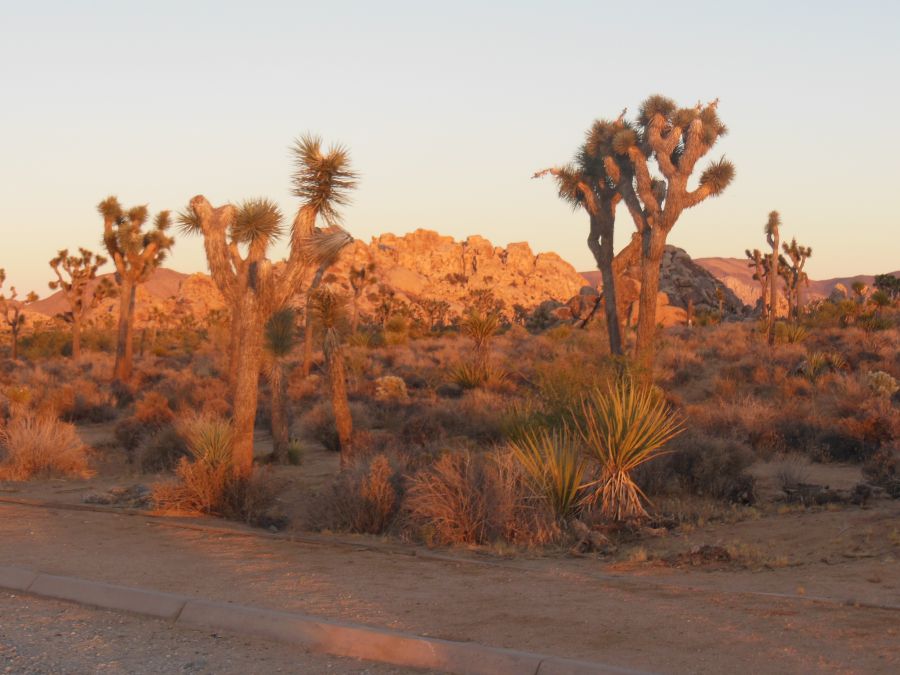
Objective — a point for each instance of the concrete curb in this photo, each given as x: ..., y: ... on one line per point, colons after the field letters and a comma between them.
x: 307, y: 632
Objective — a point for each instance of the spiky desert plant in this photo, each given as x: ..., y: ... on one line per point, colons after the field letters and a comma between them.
x: 676, y: 138
x: 12, y: 311
x: 280, y: 339
x: 74, y: 277
x: 136, y: 253
x: 790, y: 267
x: 596, y: 181
x: 329, y: 308
x: 252, y: 287
x: 554, y: 466
x: 622, y: 427
x: 480, y: 327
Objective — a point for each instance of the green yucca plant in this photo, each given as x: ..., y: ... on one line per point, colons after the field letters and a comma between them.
x: 792, y: 333
x: 474, y: 374
x: 480, y: 327
x: 210, y: 440
x: 624, y: 426
x: 554, y: 467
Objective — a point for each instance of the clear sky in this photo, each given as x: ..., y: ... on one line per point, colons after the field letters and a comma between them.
x: 448, y: 108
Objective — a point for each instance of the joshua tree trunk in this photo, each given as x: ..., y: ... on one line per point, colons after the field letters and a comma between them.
x: 124, y: 346
x: 343, y: 420
x: 600, y: 243
x: 652, y: 246
x: 774, y: 239
x: 308, y: 328
x: 15, y: 343
x: 246, y: 388
x: 280, y: 433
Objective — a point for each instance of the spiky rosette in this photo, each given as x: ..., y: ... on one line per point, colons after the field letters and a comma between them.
x: 323, y: 247
x: 257, y: 220
x: 683, y: 117
x: 188, y: 221
x: 623, y: 140
x: 655, y: 105
x: 773, y: 223
x: 718, y: 176
x: 323, y: 180
x: 110, y: 209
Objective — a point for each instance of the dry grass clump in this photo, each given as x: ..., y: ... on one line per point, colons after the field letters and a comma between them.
x: 41, y: 446
x: 466, y: 498
x: 206, y: 482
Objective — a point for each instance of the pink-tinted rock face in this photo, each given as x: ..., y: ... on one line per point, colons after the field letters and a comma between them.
x: 419, y: 266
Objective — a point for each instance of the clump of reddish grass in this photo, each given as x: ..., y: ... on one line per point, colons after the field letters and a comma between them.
x: 41, y: 446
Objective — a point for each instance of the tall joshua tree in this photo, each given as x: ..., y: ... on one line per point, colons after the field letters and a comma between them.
x: 791, y: 270
x: 253, y: 289
x: 11, y: 309
x: 773, y: 238
x: 676, y: 138
x: 595, y: 181
x: 74, y: 274
x: 135, y: 252
x: 328, y: 307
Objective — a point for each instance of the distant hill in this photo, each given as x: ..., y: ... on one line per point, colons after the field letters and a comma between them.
x: 735, y: 273
x: 162, y: 284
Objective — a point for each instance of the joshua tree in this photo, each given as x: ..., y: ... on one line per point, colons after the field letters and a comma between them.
x: 596, y: 182
x: 360, y: 278
x: 11, y: 310
x: 74, y: 274
x: 279, y: 343
x: 253, y: 289
x: 791, y: 270
x: 328, y: 307
x: 773, y: 238
x: 136, y: 253
x: 759, y: 262
x: 676, y: 138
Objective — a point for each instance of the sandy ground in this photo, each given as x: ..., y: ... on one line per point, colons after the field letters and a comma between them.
x: 669, y: 620
x: 42, y: 637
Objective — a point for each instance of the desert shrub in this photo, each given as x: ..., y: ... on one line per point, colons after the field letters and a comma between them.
x: 881, y: 383
x: 365, y: 498
x: 465, y: 498
x: 41, y: 446
x: 474, y: 374
x: 390, y: 388
x: 318, y: 423
x: 622, y: 427
x: 553, y: 466
x: 162, y: 450
x: 153, y: 410
x: 206, y: 481
x: 711, y: 467
x: 855, y: 439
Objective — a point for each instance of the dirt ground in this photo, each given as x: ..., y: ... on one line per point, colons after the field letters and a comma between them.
x: 43, y: 637
x: 801, y: 590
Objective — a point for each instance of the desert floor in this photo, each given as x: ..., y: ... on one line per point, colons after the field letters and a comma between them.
x: 805, y: 589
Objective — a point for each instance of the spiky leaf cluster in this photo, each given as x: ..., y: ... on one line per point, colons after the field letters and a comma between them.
x: 322, y: 179
x: 258, y: 221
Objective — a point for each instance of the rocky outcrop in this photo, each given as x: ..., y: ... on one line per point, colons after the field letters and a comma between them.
x: 426, y: 265
x: 422, y: 265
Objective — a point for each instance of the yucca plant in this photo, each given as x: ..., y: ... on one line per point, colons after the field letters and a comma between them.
x: 471, y: 375
x: 792, y: 333
x: 481, y: 327
x: 210, y: 440
x: 554, y: 467
x: 623, y: 427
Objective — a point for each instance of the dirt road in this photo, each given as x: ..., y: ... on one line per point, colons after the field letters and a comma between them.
x: 670, y: 621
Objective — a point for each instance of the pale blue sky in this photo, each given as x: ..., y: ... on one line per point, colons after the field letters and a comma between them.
x: 448, y: 108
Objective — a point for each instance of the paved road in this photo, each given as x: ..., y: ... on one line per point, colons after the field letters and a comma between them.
x: 40, y: 636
